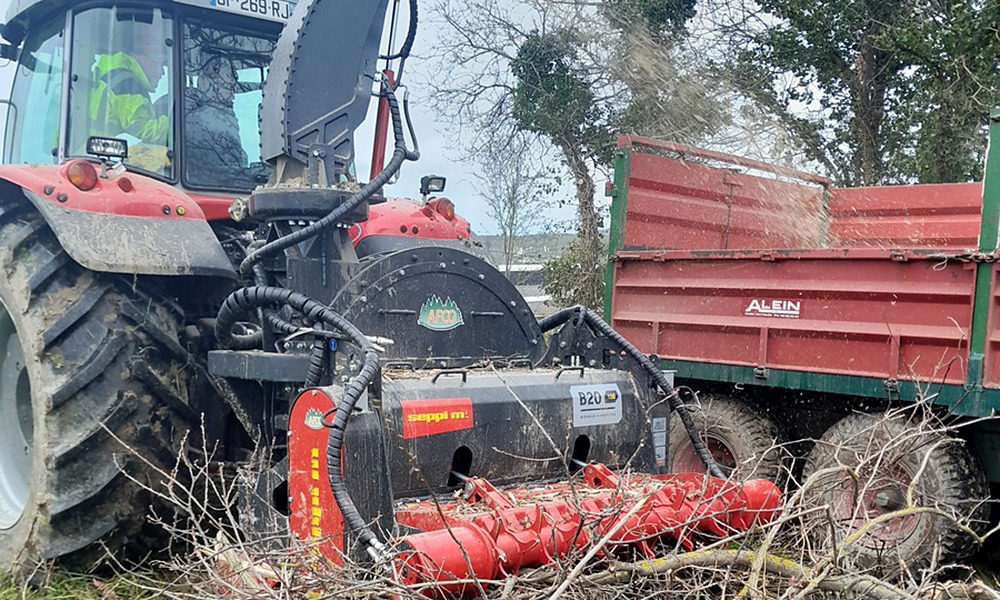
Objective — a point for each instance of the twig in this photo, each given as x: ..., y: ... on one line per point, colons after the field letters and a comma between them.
x: 860, y: 584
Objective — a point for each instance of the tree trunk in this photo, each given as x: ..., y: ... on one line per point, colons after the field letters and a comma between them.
x: 869, y: 110
x: 508, y: 227
x: 590, y: 289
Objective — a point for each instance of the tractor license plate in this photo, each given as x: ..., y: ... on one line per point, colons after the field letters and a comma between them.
x: 272, y: 10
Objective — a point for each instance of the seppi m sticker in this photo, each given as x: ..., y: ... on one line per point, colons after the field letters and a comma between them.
x: 422, y: 418
x: 596, y: 404
x: 440, y: 315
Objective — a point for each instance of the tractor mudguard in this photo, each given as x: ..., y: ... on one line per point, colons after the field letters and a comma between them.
x: 126, y: 223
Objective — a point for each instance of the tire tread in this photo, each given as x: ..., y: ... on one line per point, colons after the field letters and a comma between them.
x: 85, y: 501
x: 962, y: 486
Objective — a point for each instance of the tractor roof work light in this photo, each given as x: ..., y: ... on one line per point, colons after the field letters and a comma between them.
x: 432, y: 184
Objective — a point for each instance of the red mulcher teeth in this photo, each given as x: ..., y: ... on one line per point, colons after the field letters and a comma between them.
x: 491, y: 533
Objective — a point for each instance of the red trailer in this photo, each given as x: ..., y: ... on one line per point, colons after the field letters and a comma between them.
x: 798, y: 309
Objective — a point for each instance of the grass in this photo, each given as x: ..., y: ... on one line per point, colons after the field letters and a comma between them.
x: 60, y: 586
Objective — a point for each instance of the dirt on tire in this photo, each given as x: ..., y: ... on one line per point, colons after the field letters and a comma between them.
x: 109, y: 400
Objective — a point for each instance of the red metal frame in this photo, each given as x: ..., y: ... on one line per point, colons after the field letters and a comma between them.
x: 731, y: 268
x: 991, y: 363
x: 685, y: 151
x: 674, y: 204
x: 146, y: 197
x: 216, y: 208
x: 381, y: 128
x: 149, y: 198
x: 313, y: 512
x: 407, y: 218
x: 866, y: 313
x: 928, y: 216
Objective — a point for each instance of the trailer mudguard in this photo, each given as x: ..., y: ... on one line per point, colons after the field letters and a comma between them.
x: 126, y: 224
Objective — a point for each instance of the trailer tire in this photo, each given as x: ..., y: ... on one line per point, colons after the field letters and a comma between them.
x: 740, y: 437
x: 863, y: 466
x: 93, y: 384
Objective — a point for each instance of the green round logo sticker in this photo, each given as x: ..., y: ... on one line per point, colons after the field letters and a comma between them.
x: 440, y: 315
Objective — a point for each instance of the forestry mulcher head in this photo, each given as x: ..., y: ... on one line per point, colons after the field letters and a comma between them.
x: 468, y: 479
x: 474, y: 473
x: 495, y: 460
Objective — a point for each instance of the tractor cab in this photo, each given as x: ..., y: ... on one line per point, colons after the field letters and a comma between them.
x: 180, y: 81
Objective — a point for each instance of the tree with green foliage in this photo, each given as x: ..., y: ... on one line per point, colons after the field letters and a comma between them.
x: 552, y: 98
x: 876, y: 92
x: 555, y: 70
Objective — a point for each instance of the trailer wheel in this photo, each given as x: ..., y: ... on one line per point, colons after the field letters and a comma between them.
x: 740, y: 438
x: 863, y: 468
x: 84, y: 359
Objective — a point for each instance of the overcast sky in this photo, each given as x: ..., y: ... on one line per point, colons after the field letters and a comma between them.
x: 440, y: 153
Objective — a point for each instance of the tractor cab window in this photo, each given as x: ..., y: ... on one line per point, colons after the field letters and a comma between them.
x: 33, y: 114
x: 121, y: 74
x: 224, y: 74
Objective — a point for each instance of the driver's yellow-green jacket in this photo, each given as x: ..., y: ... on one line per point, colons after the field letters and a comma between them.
x: 120, y: 102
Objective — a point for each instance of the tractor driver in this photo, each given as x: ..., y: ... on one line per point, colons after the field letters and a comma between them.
x: 121, y: 101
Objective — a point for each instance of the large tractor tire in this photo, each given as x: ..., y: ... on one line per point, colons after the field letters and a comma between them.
x: 92, y: 385
x: 739, y: 436
x: 864, y: 466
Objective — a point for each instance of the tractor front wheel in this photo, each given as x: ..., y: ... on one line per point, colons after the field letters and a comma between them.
x: 93, y: 401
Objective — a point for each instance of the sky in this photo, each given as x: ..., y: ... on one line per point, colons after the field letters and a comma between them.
x: 439, y: 147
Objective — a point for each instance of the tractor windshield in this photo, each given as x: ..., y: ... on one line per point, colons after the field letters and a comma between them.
x: 224, y: 74
x: 121, y: 84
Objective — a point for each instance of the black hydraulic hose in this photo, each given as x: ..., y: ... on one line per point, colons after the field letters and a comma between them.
x: 678, y: 406
x: 318, y: 359
x: 411, y: 35
x: 247, y: 341
x: 409, y: 123
x: 400, y: 155
x: 270, y: 317
x: 247, y: 299
x: 254, y: 340
x: 334, y: 450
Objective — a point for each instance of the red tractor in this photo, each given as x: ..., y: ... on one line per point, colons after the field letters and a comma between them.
x: 186, y: 252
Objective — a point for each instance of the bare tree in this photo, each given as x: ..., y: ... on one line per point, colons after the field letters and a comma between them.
x: 516, y: 189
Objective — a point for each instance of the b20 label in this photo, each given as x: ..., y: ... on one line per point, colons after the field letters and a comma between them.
x: 599, y: 404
